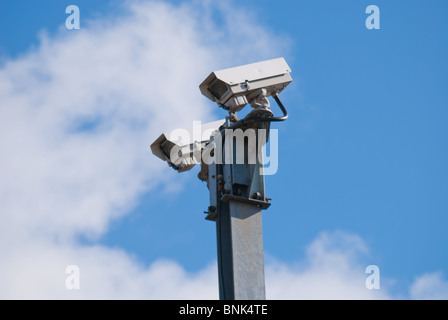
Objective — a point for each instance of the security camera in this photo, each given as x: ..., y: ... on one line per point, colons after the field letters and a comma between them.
x: 235, y: 87
x: 182, y: 148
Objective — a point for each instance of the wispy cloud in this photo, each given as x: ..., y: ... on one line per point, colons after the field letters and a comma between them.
x: 430, y: 286
x: 331, y: 269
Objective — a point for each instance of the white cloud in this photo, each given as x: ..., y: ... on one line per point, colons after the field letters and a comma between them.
x: 37, y: 271
x: 332, y: 269
x: 430, y: 286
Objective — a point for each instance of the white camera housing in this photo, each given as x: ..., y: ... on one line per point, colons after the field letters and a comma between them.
x: 182, y: 148
x: 235, y: 87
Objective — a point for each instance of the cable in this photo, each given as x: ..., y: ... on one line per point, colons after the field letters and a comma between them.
x: 282, y: 107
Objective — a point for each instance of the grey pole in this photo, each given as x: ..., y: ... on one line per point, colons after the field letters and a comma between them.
x: 240, y: 252
x: 238, y: 192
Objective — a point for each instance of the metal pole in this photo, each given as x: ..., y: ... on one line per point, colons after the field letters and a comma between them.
x: 240, y: 252
x: 237, y: 190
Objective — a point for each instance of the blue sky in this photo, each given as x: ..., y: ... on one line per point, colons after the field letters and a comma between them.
x: 364, y: 151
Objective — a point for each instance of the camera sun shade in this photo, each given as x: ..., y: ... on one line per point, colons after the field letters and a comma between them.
x: 235, y: 87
